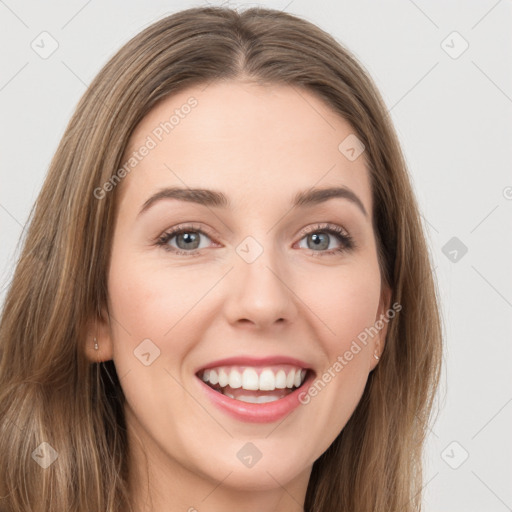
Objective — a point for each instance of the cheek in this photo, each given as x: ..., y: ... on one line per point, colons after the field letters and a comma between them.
x: 150, y: 301
x: 150, y: 333
x: 149, y: 298
x: 344, y: 302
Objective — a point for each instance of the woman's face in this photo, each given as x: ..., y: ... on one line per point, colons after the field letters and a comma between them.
x: 254, y: 289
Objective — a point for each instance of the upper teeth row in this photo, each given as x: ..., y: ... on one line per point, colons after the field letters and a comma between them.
x: 250, y: 380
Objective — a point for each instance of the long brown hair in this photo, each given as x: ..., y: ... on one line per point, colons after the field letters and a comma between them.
x: 51, y: 393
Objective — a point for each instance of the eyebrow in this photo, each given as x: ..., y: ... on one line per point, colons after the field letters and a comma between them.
x: 217, y: 199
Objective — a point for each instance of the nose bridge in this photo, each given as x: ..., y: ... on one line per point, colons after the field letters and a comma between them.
x: 260, y: 291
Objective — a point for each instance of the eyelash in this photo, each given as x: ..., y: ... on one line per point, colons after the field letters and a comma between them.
x: 346, y: 241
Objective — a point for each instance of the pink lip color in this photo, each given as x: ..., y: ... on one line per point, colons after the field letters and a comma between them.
x: 256, y: 413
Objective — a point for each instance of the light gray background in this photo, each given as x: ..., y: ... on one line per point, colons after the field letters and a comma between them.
x: 453, y: 117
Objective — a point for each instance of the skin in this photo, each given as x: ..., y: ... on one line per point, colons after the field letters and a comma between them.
x: 259, y: 145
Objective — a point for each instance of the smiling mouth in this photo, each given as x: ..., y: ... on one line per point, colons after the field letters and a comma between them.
x: 255, y: 385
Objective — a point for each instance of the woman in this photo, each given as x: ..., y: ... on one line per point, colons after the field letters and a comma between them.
x: 225, y: 299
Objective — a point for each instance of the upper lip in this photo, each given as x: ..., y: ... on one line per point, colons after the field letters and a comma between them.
x: 255, y: 361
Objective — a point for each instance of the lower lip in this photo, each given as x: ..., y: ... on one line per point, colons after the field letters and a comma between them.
x: 257, y: 413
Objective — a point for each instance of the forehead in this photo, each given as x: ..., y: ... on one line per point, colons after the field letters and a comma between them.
x: 245, y: 139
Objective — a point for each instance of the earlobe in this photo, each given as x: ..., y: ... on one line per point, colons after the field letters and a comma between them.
x: 375, y: 358
x: 98, y: 344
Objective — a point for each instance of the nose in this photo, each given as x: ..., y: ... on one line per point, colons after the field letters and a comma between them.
x: 260, y: 293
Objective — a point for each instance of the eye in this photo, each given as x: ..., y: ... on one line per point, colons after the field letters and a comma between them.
x: 187, y: 240
x: 319, y: 237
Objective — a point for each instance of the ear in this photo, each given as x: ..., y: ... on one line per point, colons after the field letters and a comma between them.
x: 99, y: 334
x: 382, y: 320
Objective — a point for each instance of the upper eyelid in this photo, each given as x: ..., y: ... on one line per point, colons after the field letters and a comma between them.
x: 324, y: 225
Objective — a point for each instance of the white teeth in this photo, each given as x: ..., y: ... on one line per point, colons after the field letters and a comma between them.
x: 267, y: 380
x: 235, y: 379
x: 267, y: 398
x: 280, y: 379
x: 213, y: 377
x: 250, y: 380
x: 255, y: 399
x: 290, y: 379
x: 223, y: 378
x: 297, y: 379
